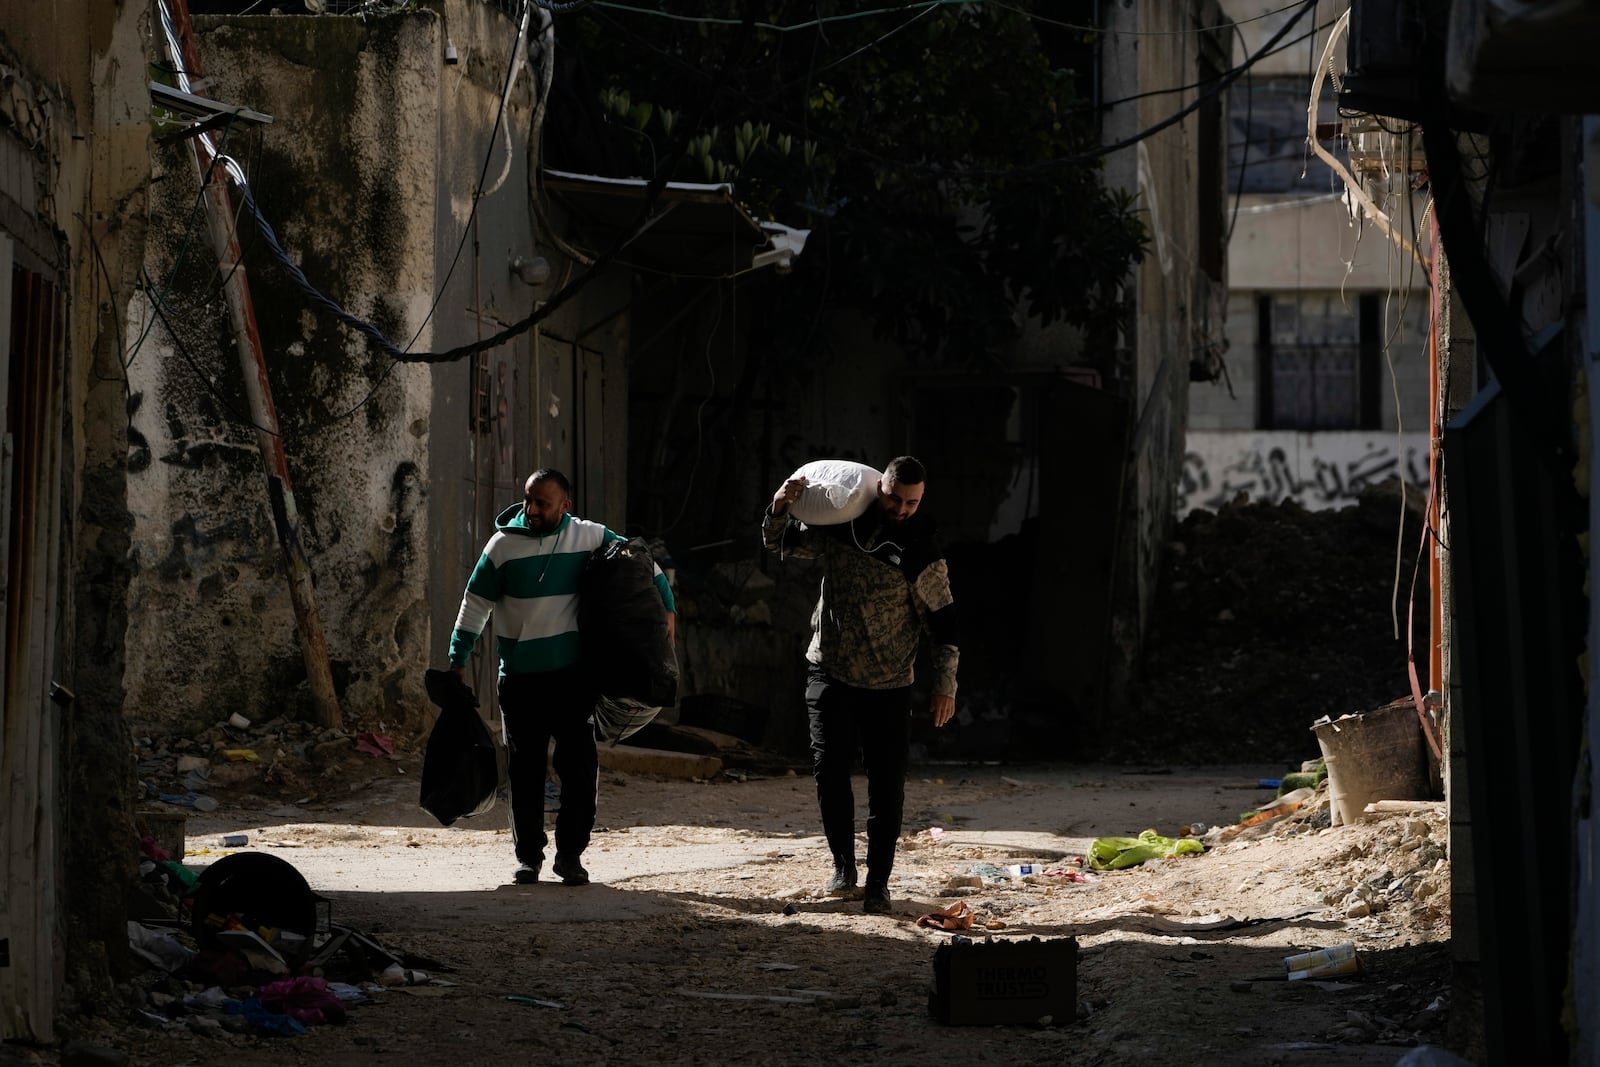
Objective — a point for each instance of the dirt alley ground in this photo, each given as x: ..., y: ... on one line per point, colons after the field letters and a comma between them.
x: 682, y: 951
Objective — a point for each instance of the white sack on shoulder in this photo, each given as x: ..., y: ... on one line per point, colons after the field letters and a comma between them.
x: 837, y: 490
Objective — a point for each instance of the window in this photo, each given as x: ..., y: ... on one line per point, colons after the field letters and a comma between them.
x: 1318, y: 361
x: 1267, y: 136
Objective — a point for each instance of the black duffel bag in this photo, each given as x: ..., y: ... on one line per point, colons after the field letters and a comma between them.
x: 622, y: 627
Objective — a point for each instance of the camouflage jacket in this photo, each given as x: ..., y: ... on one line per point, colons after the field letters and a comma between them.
x: 880, y: 590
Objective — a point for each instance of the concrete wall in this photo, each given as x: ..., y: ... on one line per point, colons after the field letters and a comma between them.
x: 367, y: 174
x: 1315, y: 470
x: 1178, y: 309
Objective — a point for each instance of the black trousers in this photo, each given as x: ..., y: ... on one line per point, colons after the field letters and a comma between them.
x: 535, y: 709
x: 878, y: 723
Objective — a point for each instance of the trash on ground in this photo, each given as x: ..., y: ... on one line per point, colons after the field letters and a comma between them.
x: 957, y: 916
x: 1118, y: 853
x: 990, y: 874
x: 1059, y: 876
x: 159, y: 947
x: 1323, y: 962
x: 1284, y: 805
x: 306, y: 1000
x: 374, y: 744
x: 536, y: 1002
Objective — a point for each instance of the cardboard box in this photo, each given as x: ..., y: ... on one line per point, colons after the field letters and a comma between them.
x: 167, y: 827
x: 997, y: 982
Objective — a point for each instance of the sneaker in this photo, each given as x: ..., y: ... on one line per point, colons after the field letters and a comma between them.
x: 876, y: 901
x: 570, y: 871
x: 843, y: 882
x: 526, y: 874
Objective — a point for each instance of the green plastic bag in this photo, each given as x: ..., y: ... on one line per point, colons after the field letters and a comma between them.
x: 1117, y: 853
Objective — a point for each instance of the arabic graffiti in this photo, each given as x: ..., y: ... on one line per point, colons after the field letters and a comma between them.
x: 1321, y: 470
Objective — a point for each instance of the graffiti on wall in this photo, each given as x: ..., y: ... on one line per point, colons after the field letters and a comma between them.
x: 1316, y: 470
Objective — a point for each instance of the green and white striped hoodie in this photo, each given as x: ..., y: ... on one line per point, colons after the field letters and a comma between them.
x: 529, y: 582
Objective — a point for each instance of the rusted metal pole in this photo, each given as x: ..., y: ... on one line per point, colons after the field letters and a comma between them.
x: 258, y: 391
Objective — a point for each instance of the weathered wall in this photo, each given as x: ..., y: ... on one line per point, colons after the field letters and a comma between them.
x: 73, y: 133
x: 367, y: 174
x: 1316, y: 470
x: 1178, y: 311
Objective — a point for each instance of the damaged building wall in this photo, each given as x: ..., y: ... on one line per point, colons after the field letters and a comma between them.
x: 368, y: 175
x: 73, y: 134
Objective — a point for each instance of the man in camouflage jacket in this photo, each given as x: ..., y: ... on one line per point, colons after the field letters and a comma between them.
x: 883, y: 582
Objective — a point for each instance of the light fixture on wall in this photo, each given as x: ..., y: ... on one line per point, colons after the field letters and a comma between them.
x: 450, y: 56
x: 535, y: 270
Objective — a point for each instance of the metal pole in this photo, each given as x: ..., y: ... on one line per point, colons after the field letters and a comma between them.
x: 258, y: 391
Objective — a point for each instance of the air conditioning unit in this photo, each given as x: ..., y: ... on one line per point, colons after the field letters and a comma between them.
x: 1524, y: 55
x: 1394, y: 55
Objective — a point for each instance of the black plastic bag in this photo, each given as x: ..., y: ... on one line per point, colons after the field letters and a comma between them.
x: 460, y: 773
x: 622, y: 626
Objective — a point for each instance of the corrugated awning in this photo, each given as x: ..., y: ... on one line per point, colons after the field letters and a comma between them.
x: 693, y: 229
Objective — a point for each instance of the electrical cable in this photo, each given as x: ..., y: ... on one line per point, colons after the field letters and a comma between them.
x: 189, y: 227
x: 815, y: 23
x: 541, y: 312
x: 652, y: 192
x: 1178, y: 116
x: 1212, y: 87
x: 1244, y: 156
x: 779, y: 119
x: 544, y: 230
x: 119, y: 325
x: 177, y: 342
x: 518, y: 56
x: 466, y: 228
x: 873, y: 43
x: 248, y: 201
x: 699, y: 414
x: 1139, y: 33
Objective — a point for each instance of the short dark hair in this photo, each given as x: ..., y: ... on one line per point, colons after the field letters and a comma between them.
x: 550, y: 474
x: 906, y: 470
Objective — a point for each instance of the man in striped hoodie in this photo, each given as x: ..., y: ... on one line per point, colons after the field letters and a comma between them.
x: 528, y: 578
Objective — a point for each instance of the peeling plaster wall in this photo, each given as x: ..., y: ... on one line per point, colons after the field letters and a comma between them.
x: 73, y: 163
x: 365, y: 191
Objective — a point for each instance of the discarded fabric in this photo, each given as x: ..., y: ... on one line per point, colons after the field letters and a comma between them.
x: 1117, y: 853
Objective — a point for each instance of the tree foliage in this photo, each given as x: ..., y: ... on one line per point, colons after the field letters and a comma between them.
x: 930, y: 148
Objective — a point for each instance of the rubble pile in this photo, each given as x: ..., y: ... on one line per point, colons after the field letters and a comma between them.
x: 1268, y: 616
x: 280, y: 756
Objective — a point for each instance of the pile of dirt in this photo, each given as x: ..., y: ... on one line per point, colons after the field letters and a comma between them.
x: 1269, y: 616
